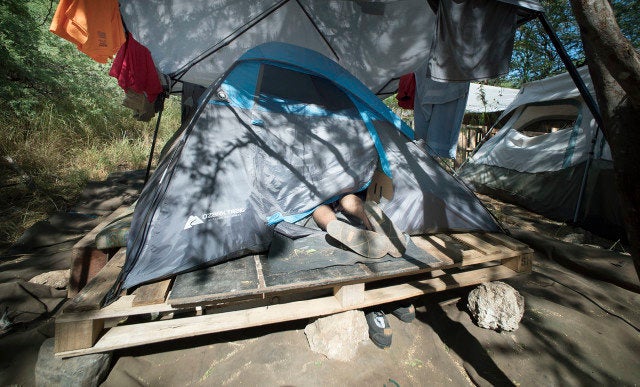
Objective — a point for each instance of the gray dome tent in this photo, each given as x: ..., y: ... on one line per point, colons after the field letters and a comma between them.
x: 283, y: 131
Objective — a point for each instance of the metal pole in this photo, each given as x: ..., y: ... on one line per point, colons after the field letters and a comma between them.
x: 153, y: 143
x: 586, y: 95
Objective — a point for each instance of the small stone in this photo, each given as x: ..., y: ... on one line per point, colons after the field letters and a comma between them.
x: 574, y: 238
x: 86, y: 371
x: 57, y: 279
x: 496, y: 305
x: 337, y: 336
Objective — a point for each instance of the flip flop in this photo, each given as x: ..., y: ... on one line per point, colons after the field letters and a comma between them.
x: 383, y: 225
x: 364, y: 242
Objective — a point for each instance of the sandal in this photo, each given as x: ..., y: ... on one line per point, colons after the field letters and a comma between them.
x: 405, y: 313
x: 383, y: 225
x: 379, y: 329
x: 364, y: 242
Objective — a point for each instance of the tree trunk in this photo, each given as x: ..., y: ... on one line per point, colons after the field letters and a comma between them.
x: 614, y: 66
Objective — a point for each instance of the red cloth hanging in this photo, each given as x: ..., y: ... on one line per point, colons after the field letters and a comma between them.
x: 135, y: 70
x: 406, y: 91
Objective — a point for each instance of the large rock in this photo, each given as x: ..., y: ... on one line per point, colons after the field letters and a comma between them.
x: 496, y: 305
x: 337, y: 336
x: 87, y: 370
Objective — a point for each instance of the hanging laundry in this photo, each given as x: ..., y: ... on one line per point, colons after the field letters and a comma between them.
x: 143, y: 110
x: 406, y: 91
x: 438, y: 113
x: 474, y: 39
x: 95, y: 27
x: 134, y: 69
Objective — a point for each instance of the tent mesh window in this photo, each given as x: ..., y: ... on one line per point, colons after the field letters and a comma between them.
x: 536, y: 120
x: 277, y: 94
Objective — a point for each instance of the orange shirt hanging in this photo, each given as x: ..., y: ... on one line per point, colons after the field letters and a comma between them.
x: 93, y: 25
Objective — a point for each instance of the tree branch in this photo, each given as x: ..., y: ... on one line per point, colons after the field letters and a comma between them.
x: 600, y: 28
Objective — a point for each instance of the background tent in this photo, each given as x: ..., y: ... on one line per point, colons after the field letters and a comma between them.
x: 486, y: 98
x: 285, y: 130
x: 538, y: 158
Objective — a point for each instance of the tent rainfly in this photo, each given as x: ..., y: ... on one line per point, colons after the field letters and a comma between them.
x: 196, y: 41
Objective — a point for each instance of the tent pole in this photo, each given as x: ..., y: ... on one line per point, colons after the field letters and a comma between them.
x: 571, y: 68
x: 155, y: 137
x: 586, y: 95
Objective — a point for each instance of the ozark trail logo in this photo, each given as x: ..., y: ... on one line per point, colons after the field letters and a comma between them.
x: 192, y: 221
x: 195, y: 220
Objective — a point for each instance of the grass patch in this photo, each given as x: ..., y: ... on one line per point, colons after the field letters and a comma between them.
x: 62, y: 120
x: 59, y: 161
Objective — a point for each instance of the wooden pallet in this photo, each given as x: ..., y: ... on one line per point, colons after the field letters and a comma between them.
x: 244, y: 293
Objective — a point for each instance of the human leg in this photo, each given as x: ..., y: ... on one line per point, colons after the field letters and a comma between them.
x: 323, y: 215
x: 364, y: 242
x: 353, y: 205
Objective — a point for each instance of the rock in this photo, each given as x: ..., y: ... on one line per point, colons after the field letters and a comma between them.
x: 57, y: 279
x: 574, y: 238
x: 87, y: 370
x: 337, y: 336
x: 496, y: 305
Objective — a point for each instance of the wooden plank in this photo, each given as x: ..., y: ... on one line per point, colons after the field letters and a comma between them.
x: 77, y: 335
x: 426, y: 245
x: 86, y: 260
x: 451, y: 248
x: 349, y: 295
x: 437, y: 284
x: 520, y: 264
x: 437, y: 247
x: 154, y: 293
x: 92, y: 295
x: 507, y: 241
x: 476, y: 243
x: 259, y: 273
x: 159, y: 331
x: 237, y: 276
x: 122, y: 307
x: 305, y: 281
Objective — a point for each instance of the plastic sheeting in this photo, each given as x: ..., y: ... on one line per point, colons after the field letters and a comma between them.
x: 485, y: 98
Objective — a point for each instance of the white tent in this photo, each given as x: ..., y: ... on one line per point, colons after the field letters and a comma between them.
x: 486, y: 99
x: 552, y: 101
x: 539, y: 157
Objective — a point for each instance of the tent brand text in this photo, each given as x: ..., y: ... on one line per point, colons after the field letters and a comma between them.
x: 224, y: 214
x: 194, y: 220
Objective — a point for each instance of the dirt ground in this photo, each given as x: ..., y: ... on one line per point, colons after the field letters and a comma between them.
x: 578, y: 329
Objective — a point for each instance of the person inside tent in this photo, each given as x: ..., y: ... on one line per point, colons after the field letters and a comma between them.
x: 378, y: 238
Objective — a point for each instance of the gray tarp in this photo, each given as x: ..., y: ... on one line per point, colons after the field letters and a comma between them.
x: 376, y: 41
